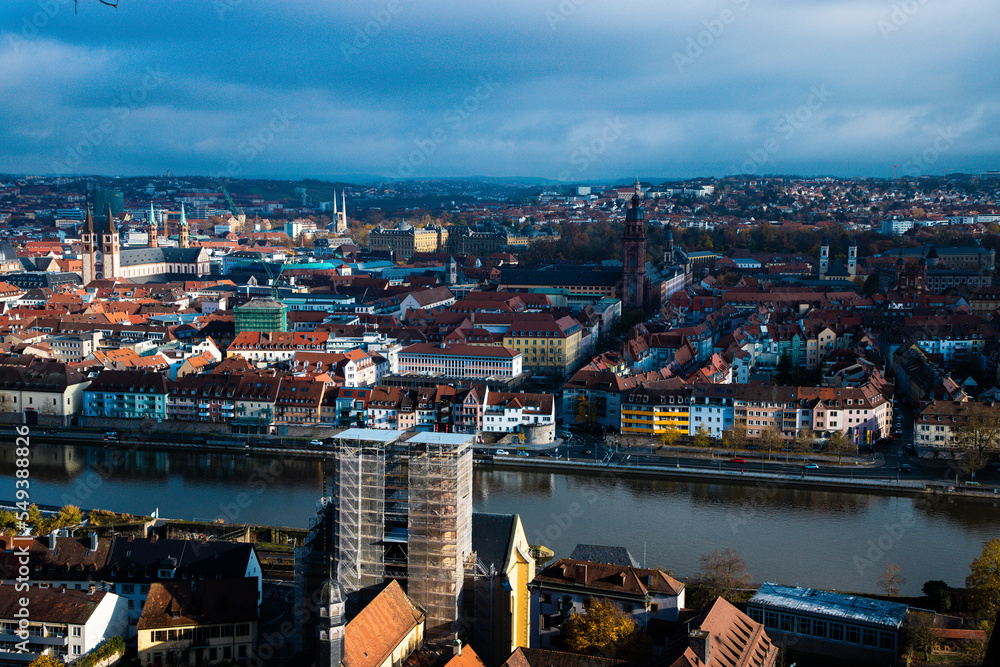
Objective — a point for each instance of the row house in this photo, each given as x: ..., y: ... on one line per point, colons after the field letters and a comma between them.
x: 419, y: 409
x: 38, y: 387
x: 254, y: 403
x: 354, y: 367
x: 299, y: 401
x: 204, y: 398
x: 936, y: 423
x: 345, y: 406
x: 263, y: 348
x: 657, y: 407
x: 592, y: 396
x: 127, y: 395
x: 506, y: 412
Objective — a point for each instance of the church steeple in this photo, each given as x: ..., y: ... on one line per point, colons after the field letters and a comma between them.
x: 183, y: 239
x: 634, y: 254
x: 153, y: 230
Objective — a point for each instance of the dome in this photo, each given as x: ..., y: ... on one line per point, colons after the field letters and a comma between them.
x: 7, y: 252
x: 404, y: 226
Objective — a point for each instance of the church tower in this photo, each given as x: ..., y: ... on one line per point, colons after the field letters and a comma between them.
x: 110, y: 258
x: 824, y: 258
x: 153, y: 240
x: 89, y: 238
x: 452, y: 270
x: 668, y: 246
x: 852, y: 259
x: 634, y: 254
x: 183, y: 240
x: 340, y: 217
x: 331, y: 625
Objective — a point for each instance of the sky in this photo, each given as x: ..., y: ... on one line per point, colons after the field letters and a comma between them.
x: 569, y: 90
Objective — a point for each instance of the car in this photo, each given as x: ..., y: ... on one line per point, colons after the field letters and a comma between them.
x: 737, y: 459
x: 316, y: 443
x: 565, y: 434
x: 908, y: 448
x: 905, y: 467
x: 547, y: 455
x: 502, y: 452
x: 811, y: 466
x: 588, y: 452
x: 522, y: 452
x: 111, y: 435
x: 482, y: 451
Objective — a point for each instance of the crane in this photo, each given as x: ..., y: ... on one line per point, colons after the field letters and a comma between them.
x: 232, y: 206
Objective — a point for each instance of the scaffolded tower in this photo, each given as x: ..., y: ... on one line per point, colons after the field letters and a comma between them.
x: 439, y: 525
x: 403, y: 510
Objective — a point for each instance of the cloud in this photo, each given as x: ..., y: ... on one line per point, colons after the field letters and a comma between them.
x: 368, y: 81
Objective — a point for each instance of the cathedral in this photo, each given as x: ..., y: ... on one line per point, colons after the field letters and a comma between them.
x: 104, y: 259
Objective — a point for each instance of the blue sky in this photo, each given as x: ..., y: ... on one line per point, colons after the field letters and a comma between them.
x: 574, y: 90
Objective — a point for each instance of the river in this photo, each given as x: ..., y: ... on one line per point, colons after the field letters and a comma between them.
x: 810, y: 537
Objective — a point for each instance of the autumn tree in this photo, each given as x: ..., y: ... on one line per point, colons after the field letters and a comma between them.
x: 770, y: 438
x: 46, y: 661
x: 724, y: 574
x: 919, y: 632
x: 599, y: 628
x: 702, y: 437
x: 584, y: 411
x: 735, y: 437
x: 891, y: 580
x: 983, y: 581
x: 668, y: 437
x: 804, y: 440
x: 979, y: 436
x: 839, y: 444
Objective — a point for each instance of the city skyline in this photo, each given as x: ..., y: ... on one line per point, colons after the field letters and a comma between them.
x: 575, y: 90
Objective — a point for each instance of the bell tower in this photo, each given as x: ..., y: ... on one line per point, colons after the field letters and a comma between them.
x: 89, y: 238
x: 111, y: 249
x: 634, y: 254
x: 153, y: 240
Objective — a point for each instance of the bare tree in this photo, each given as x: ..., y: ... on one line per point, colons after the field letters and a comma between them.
x: 979, y: 436
x: 724, y: 573
x: 890, y: 580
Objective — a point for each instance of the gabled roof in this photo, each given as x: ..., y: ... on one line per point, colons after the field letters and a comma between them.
x: 185, y: 603
x: 734, y: 640
x: 372, y: 635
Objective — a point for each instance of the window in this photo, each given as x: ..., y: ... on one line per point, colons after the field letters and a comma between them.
x: 853, y: 634
x: 837, y: 632
x: 819, y: 628
x: 128, y: 589
x: 76, y: 631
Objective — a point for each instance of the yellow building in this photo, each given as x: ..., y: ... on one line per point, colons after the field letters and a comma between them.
x: 404, y: 239
x: 502, y: 552
x: 198, y: 622
x: 656, y: 408
x: 548, y: 346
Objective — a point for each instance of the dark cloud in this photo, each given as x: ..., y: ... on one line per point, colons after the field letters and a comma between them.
x: 580, y: 89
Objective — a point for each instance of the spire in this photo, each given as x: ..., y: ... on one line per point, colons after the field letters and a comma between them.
x: 183, y: 217
x: 638, y: 188
x: 88, y: 225
x: 152, y: 213
x: 111, y: 227
x: 335, y: 208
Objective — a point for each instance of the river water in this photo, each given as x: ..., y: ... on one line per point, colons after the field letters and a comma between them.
x: 809, y: 537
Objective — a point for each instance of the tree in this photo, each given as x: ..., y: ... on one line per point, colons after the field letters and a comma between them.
x: 804, y: 440
x: 839, y: 444
x: 939, y: 594
x: 736, y: 436
x: 668, y: 437
x: 919, y: 632
x: 45, y: 661
x: 983, y: 581
x: 702, y: 437
x: 600, y: 627
x: 890, y: 580
x: 770, y: 438
x: 724, y: 573
x: 979, y: 436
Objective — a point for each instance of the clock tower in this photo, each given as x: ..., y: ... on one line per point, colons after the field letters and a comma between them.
x: 634, y: 254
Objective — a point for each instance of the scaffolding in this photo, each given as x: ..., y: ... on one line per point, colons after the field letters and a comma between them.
x: 360, y: 492
x: 439, y: 526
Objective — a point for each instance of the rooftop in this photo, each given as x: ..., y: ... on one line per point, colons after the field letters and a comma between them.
x: 847, y: 607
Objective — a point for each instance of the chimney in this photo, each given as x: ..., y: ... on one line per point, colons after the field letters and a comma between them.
x: 93, y: 541
x: 52, y: 540
x: 581, y: 573
x: 701, y: 643
x: 456, y: 647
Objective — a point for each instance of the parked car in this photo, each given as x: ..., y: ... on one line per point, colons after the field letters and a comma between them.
x: 316, y: 443
x: 811, y: 466
x: 502, y: 452
x: 522, y: 452
x: 737, y: 459
x: 905, y: 468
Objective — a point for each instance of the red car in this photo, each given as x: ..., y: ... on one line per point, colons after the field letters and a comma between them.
x: 737, y: 459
